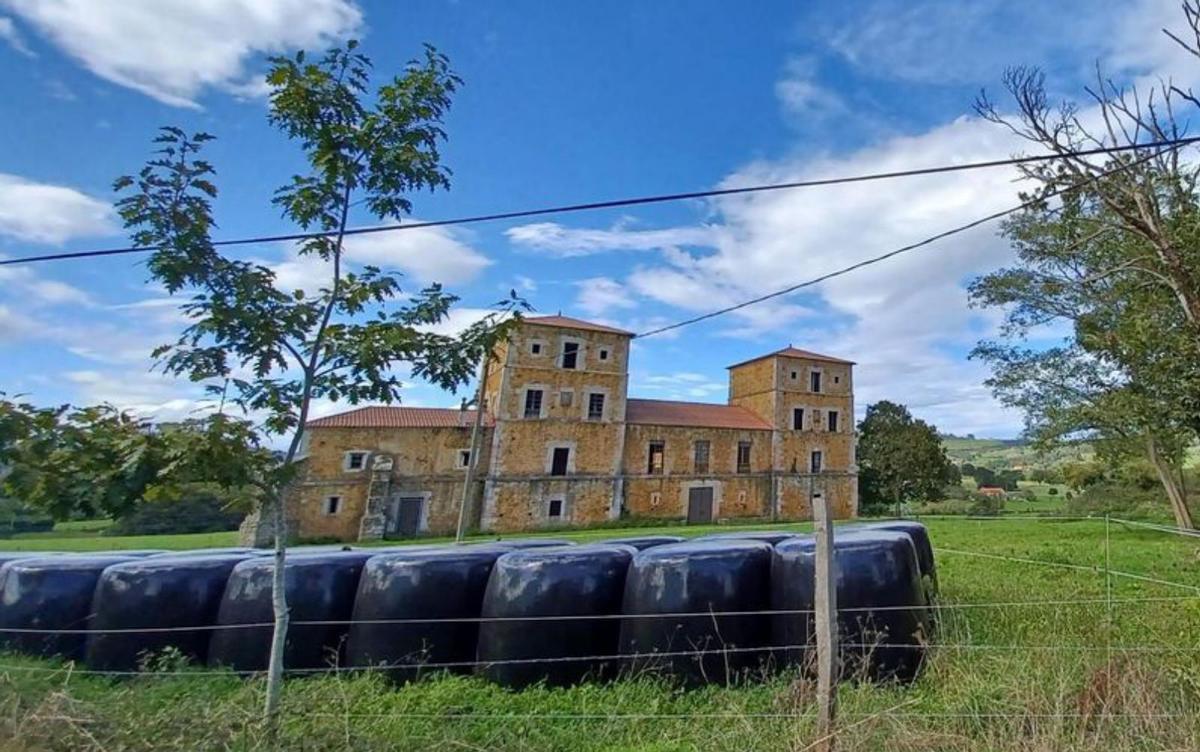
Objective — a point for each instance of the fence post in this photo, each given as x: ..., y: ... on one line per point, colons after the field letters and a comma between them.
x: 826, y: 623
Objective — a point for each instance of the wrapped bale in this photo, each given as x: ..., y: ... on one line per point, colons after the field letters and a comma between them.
x: 767, y: 536
x: 920, y: 537
x: 50, y: 593
x: 643, y: 542
x: 418, y: 585
x: 576, y: 581
x: 7, y: 556
x: 707, y: 580
x: 882, y: 615
x: 160, y: 592
x: 522, y: 543
x: 320, y: 587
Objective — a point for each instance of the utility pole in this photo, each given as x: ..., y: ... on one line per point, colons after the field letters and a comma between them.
x: 473, y: 459
x: 826, y: 621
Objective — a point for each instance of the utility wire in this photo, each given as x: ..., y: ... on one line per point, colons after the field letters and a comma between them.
x: 912, y: 246
x: 622, y: 202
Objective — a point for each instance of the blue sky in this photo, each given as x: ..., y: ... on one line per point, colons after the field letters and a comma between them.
x: 564, y: 103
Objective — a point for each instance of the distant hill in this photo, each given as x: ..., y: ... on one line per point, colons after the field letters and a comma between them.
x: 1004, y: 454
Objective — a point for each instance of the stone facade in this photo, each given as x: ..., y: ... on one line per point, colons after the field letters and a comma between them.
x: 562, y: 444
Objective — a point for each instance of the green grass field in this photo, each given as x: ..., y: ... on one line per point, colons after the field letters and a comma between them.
x: 1056, y: 668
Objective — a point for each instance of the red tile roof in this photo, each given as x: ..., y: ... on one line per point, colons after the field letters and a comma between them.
x: 566, y: 322
x: 697, y: 414
x: 400, y: 417
x: 795, y: 352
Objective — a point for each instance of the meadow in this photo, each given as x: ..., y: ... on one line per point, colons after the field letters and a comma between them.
x: 1040, y: 647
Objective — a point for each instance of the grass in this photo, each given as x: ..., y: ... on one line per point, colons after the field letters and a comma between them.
x: 981, y: 689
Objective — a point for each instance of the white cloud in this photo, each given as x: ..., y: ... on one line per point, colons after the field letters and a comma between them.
x: 424, y: 255
x: 43, y: 213
x: 566, y: 242
x: 9, y: 34
x: 172, y: 50
x: 682, y: 385
x: 599, y: 295
x: 801, y: 94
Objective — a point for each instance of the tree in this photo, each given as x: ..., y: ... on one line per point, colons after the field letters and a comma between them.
x: 900, y: 458
x: 279, y: 349
x: 100, y: 460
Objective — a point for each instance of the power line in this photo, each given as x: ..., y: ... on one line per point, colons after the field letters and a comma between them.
x: 910, y: 247
x: 623, y: 202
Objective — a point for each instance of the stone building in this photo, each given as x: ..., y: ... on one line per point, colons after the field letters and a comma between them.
x: 563, y: 444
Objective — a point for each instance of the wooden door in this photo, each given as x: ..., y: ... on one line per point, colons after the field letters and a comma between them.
x: 700, y: 506
x: 409, y: 516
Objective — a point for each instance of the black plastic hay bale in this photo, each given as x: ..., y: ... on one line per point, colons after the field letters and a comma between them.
x: 767, y: 536
x: 443, y: 583
x: 160, y: 592
x: 231, y: 550
x: 882, y: 610
x: 705, y: 580
x: 643, y: 542
x: 7, y: 556
x: 523, y: 543
x: 50, y: 593
x: 920, y: 537
x: 520, y: 648
x: 320, y: 587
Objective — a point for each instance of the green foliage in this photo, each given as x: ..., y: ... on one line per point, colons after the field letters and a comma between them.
x: 985, y: 506
x: 193, y: 510
x: 17, y: 518
x: 99, y: 460
x: 900, y: 458
x: 276, y: 350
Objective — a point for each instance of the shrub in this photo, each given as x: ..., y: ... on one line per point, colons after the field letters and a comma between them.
x: 1052, y: 492
x: 986, y: 506
x: 194, y: 512
x: 16, y: 517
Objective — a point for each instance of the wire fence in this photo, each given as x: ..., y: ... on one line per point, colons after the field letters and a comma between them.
x: 1103, y: 638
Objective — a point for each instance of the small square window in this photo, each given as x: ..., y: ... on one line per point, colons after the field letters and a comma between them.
x: 655, y: 465
x: 356, y: 460
x: 655, y: 498
x: 570, y: 355
x: 794, y: 375
x: 464, y: 457
x: 535, y: 348
x: 603, y: 353
x: 533, y: 403
x: 555, y: 509
x: 333, y: 505
x: 595, y: 410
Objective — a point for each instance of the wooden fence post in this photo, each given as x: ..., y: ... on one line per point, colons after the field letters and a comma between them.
x: 826, y: 623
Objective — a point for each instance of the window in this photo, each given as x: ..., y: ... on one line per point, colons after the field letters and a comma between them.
x: 555, y: 509
x: 743, y: 457
x: 333, y: 505
x: 831, y: 421
x: 595, y: 407
x: 464, y: 457
x: 570, y: 355
x: 655, y: 498
x: 814, y: 461
x: 700, y: 458
x: 356, y: 460
x: 603, y: 353
x: 535, y: 348
x: 814, y: 381
x: 566, y: 398
x: 533, y: 403
x: 794, y: 375
x: 560, y: 460
x: 837, y: 379
x: 657, y: 450
x: 798, y: 419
